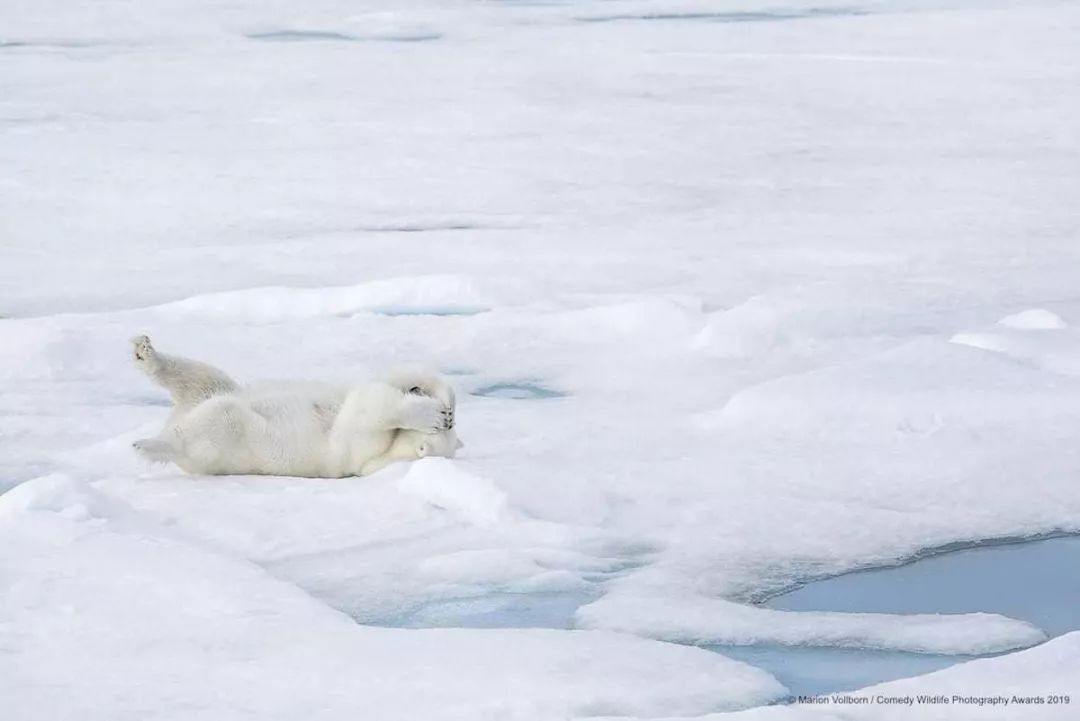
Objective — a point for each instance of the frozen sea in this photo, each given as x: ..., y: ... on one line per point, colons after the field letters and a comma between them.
x: 739, y: 297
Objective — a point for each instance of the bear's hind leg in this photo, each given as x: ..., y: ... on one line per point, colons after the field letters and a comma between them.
x: 189, y: 382
x: 155, y: 450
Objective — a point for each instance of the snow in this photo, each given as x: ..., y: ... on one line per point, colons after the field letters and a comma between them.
x: 1015, y: 686
x: 123, y: 606
x: 735, y: 295
x: 1032, y: 337
x: 1034, y: 319
x: 711, y: 620
x: 439, y: 483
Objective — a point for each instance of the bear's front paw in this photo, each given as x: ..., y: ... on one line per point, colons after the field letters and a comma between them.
x: 424, y: 414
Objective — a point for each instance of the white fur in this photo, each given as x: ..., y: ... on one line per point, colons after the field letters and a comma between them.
x: 328, y: 431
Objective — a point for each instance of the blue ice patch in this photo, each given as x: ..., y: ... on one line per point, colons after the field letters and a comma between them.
x: 522, y: 390
x: 1030, y: 580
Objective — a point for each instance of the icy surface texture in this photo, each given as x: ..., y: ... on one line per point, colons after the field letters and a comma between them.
x: 801, y: 275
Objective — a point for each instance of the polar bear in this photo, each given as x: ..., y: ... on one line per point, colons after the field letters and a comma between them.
x: 317, y: 430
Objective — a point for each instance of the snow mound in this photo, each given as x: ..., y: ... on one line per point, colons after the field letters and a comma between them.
x: 1034, y: 319
x: 750, y: 328
x: 920, y: 388
x: 1055, y: 348
x: 441, y: 483
x: 447, y: 293
x: 696, y: 619
x: 58, y: 494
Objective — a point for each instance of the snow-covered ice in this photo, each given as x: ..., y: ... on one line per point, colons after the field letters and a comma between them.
x: 714, y: 620
x: 974, y: 690
x: 736, y: 294
x: 137, y: 623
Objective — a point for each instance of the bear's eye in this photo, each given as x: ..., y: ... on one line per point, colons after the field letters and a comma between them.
x: 416, y: 390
